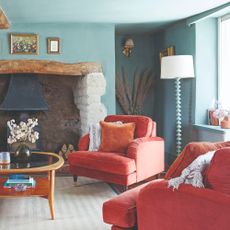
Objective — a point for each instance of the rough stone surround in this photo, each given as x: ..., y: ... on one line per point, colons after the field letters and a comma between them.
x: 87, y: 97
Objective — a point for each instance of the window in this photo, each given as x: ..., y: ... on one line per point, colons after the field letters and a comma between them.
x: 224, y: 61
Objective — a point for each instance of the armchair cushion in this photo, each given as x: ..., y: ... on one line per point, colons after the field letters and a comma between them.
x: 218, y: 172
x: 103, y: 161
x: 145, y: 127
x: 116, y: 137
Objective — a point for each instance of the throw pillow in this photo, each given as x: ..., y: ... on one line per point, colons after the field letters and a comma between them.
x: 218, y: 172
x: 95, y: 136
x: 116, y: 137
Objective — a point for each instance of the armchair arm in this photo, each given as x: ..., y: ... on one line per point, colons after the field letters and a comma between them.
x: 148, y: 153
x: 83, y: 144
x: 189, y: 208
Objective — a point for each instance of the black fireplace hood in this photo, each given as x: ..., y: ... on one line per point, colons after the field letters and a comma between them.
x: 24, y: 94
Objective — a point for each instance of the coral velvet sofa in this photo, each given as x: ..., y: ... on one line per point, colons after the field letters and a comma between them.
x: 143, y: 158
x: 154, y: 206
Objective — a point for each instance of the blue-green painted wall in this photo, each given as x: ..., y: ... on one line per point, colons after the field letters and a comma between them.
x: 79, y: 43
x: 94, y: 42
x: 141, y: 58
x: 183, y: 38
x: 206, y: 67
x: 199, y: 40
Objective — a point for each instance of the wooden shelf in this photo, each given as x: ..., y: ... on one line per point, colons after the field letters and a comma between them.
x: 49, y: 67
x: 41, y: 189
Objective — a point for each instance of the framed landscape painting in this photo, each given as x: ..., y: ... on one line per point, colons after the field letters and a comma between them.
x: 23, y: 43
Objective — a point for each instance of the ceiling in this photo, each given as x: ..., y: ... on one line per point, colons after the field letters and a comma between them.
x: 146, y: 13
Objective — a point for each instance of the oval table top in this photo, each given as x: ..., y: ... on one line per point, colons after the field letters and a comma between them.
x: 40, y: 162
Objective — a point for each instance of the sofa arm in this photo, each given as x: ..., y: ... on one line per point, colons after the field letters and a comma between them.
x: 148, y: 153
x: 83, y: 144
x: 121, y: 210
x: 189, y: 208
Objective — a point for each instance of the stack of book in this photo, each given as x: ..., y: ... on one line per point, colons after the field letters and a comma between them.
x: 19, y: 179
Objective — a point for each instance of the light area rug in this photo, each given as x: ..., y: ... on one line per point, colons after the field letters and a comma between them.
x: 77, y: 207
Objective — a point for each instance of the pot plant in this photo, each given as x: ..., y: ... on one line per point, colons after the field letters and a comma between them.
x: 224, y: 117
x: 22, y: 133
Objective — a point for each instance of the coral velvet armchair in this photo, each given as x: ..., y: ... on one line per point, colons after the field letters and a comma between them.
x: 154, y: 206
x: 144, y: 156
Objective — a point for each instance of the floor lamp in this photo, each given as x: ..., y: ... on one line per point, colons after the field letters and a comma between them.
x: 177, y: 67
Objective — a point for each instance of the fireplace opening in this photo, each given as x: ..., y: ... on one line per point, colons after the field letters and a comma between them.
x: 57, y: 125
x: 24, y: 98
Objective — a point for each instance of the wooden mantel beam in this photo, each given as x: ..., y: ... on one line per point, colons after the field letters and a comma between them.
x: 48, y: 67
x: 4, y: 22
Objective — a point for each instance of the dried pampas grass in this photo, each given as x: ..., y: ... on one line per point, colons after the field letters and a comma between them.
x: 131, y: 98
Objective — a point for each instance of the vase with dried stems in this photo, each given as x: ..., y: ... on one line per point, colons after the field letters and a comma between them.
x: 131, y: 96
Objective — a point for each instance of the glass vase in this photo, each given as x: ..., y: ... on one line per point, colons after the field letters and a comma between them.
x: 22, y: 153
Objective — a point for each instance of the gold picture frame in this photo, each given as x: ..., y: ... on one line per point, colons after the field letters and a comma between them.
x: 24, y: 43
x: 53, y: 46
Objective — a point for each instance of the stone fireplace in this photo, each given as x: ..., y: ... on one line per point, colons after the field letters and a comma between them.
x: 73, y: 94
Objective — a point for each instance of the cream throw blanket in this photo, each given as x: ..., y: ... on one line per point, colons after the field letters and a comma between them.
x: 94, y: 136
x: 193, y: 173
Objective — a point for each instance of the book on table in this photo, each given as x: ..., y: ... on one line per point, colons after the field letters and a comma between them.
x: 19, y: 176
x: 14, y: 180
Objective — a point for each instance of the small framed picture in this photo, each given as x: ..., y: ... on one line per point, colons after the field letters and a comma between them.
x: 23, y: 43
x: 53, y: 46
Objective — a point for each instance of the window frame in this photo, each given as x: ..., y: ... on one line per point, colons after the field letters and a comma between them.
x: 219, y: 48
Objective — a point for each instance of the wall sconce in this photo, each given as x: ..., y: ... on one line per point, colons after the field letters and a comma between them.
x: 128, y: 46
x: 170, y: 51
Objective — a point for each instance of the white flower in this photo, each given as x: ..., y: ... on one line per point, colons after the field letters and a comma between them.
x: 220, y: 113
x: 22, y: 132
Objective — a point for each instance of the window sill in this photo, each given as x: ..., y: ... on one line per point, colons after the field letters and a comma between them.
x: 211, y: 133
x: 212, y: 128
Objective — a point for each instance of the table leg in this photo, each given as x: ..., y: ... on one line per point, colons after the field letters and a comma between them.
x: 51, y: 178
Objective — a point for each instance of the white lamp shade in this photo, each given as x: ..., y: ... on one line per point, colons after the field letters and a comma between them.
x: 180, y: 66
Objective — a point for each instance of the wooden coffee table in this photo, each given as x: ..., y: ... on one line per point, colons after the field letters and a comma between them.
x: 42, y: 163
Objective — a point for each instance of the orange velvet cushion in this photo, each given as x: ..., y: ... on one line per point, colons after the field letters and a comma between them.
x: 218, y: 173
x: 116, y: 137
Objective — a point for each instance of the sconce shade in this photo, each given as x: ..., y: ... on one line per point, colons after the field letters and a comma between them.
x: 177, y: 66
x: 129, y: 43
x: 128, y: 46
